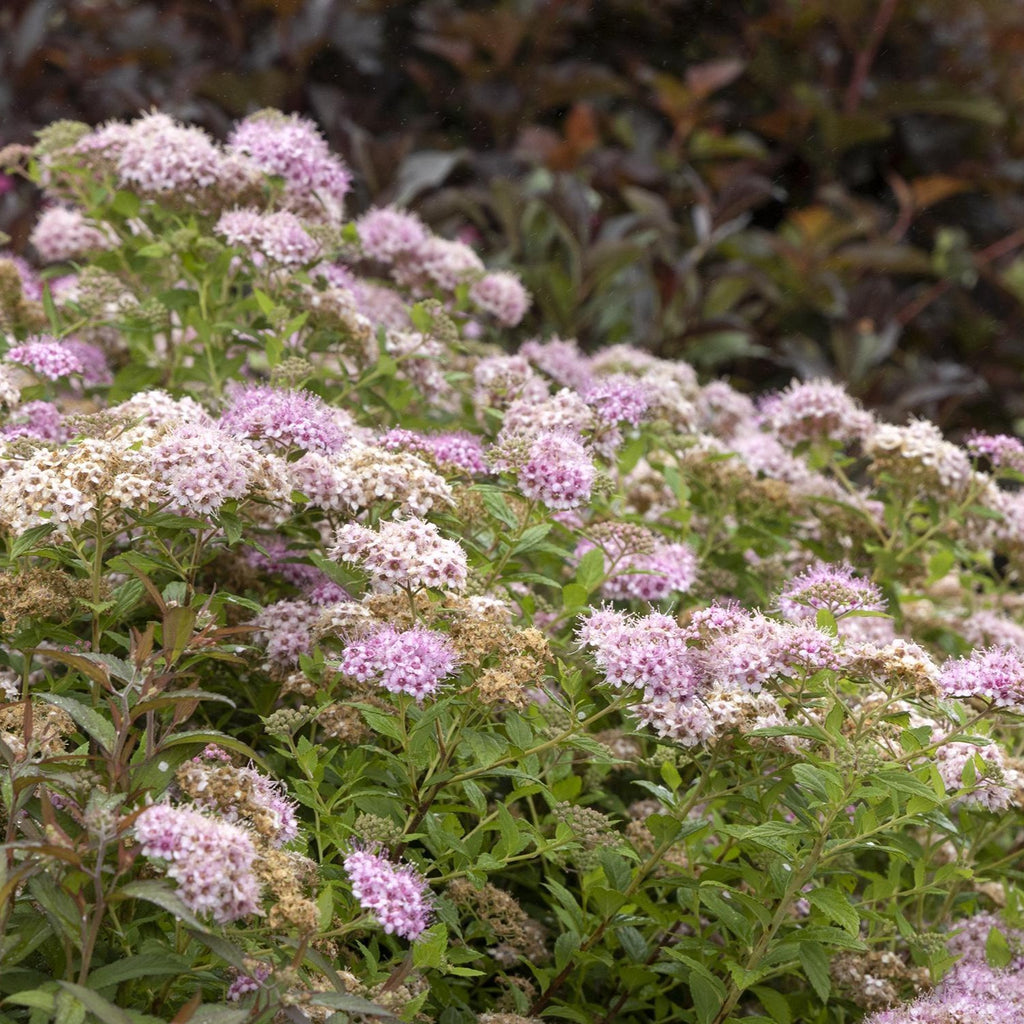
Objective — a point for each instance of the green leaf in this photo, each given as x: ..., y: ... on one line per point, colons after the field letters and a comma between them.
x: 707, y: 996
x: 95, y: 1003
x: 590, y: 571
x: 775, y: 1003
x: 92, y: 722
x: 531, y: 538
x: 429, y: 949
x: 834, y: 905
x: 264, y: 301
x: 826, y: 622
x: 138, y: 966
x: 162, y: 895
x: 350, y: 1004
x: 203, y: 737
x: 997, y: 949
x: 566, y: 946
x: 815, y: 965
x: 126, y: 204
x: 574, y: 596
x: 36, y: 998
x: 219, y: 1015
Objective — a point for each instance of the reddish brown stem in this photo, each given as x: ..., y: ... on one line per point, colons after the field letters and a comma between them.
x: 866, y: 57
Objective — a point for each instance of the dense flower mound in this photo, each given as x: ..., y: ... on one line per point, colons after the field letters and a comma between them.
x: 210, y: 859
x: 412, y: 661
x: 404, y: 554
x: 339, y: 613
x: 996, y: 674
x: 290, y: 147
x: 973, y: 992
x: 396, y: 895
x: 815, y: 411
x: 283, y: 418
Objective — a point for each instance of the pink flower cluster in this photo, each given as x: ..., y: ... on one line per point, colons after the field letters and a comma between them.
x: 278, y: 237
x: 1001, y: 450
x: 285, y: 630
x: 201, y: 468
x: 696, y: 680
x: 995, y: 673
x: 649, y: 575
x: 397, y: 895
x: 972, y: 992
x: 290, y: 147
x: 267, y: 792
x: 47, y: 357
x: 618, y: 398
x: 63, y: 234
x: 457, y: 451
x: 423, y: 261
x: 994, y: 781
x: 815, y: 410
x: 557, y: 471
x: 210, y: 859
x: 403, y: 554
x: 412, y: 661
x: 276, y: 418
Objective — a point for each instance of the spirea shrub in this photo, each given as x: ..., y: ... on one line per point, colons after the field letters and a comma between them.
x: 361, y: 664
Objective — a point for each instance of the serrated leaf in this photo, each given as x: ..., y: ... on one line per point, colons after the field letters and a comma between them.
x: 590, y: 570
x: 834, y: 905
x: 90, y: 721
x: 815, y: 964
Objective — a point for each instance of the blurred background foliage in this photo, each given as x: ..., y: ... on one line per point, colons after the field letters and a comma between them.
x: 762, y: 187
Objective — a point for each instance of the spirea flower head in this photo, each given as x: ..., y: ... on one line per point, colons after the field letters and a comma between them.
x: 758, y: 649
x: 557, y: 471
x: 396, y: 895
x: 444, y: 263
x: 458, y: 451
x: 724, y: 411
x: 412, y: 661
x: 970, y: 936
x: 815, y: 410
x: 993, y: 783
x: 917, y: 454
x: 278, y: 237
x: 996, y: 673
x: 365, y: 476
x: 47, y: 357
x: 561, y: 360
x: 242, y: 795
x: 388, y: 234
x: 403, y: 553
x: 275, y: 418
x: 41, y: 420
x: 618, y: 398
x: 643, y: 567
x: 834, y: 588
x: 285, y: 629
x: 31, y: 283
x: 501, y: 380
x: 972, y: 993
x: 159, y: 158
x: 64, y: 234
x: 210, y: 859
x: 1001, y: 450
x: 502, y: 295
x: 649, y: 653
x: 290, y: 147
x: 202, y: 468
